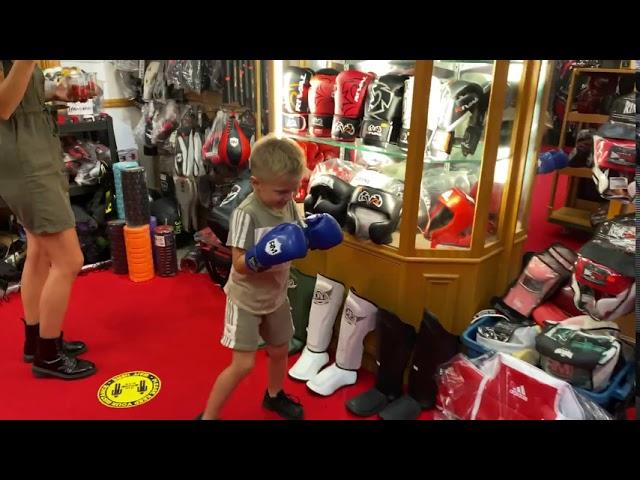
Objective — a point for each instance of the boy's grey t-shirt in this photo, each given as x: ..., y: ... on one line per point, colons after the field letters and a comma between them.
x: 257, y: 293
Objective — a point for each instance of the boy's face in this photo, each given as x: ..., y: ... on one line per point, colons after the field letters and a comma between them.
x: 276, y: 192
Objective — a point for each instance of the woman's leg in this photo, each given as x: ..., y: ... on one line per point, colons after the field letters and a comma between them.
x: 63, y: 251
x: 34, y: 275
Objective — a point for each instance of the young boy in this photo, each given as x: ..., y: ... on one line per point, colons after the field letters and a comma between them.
x: 265, y: 235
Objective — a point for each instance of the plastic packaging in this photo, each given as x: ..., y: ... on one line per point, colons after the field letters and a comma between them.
x: 342, y: 169
x: 497, y: 386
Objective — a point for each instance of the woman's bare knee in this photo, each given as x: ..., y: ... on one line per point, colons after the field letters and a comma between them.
x: 63, y: 251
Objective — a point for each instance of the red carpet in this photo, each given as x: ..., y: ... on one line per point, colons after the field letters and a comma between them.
x: 170, y: 327
x: 541, y: 233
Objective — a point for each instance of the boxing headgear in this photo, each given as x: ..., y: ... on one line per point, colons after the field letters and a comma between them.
x: 614, y: 153
x: 234, y: 148
x: 373, y: 214
x: 452, y: 218
x: 604, y: 279
x: 328, y: 194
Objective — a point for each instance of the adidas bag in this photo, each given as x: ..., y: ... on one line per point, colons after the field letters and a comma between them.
x: 584, y: 359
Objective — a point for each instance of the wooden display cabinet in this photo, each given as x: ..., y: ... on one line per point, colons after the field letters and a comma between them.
x: 576, y: 212
x: 454, y: 283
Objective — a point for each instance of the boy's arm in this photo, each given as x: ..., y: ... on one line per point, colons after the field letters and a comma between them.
x: 237, y: 257
x: 241, y: 238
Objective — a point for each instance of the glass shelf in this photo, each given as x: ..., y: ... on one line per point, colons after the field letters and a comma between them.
x: 391, y: 151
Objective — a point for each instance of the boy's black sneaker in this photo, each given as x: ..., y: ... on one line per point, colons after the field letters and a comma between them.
x: 286, y: 406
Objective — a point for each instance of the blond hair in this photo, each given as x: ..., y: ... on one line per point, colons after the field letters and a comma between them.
x: 273, y: 156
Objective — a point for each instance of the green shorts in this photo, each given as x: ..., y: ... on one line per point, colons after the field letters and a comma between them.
x: 242, y: 330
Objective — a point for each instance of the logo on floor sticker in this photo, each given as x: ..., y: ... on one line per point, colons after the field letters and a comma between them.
x: 129, y: 389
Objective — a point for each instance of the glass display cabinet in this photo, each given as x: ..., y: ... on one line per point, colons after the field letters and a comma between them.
x: 452, y: 144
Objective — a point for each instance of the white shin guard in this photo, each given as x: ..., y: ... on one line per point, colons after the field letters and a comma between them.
x: 358, y: 319
x: 327, y: 298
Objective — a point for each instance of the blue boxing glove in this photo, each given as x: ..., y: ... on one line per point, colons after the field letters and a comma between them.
x: 282, y: 244
x: 551, y: 161
x: 323, y: 231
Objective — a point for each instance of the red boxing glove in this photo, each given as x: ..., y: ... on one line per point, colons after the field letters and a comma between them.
x: 351, y: 93
x: 322, y: 102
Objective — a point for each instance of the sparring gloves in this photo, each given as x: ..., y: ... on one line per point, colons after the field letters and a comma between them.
x: 383, y: 110
x: 350, y: 97
x: 296, y: 99
x: 323, y: 231
x: 289, y: 241
x: 322, y: 102
x: 282, y: 244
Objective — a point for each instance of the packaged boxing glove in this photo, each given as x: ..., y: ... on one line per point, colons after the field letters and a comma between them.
x: 350, y: 97
x: 383, y: 110
x: 460, y: 99
x: 407, y: 102
x: 322, y: 102
x: 296, y: 99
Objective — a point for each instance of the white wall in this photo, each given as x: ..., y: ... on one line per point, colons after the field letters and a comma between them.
x: 124, y: 119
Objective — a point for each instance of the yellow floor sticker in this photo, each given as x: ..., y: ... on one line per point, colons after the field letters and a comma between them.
x: 129, y: 389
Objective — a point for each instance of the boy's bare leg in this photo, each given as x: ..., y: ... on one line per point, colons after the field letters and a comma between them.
x: 277, y: 367
x: 241, y: 364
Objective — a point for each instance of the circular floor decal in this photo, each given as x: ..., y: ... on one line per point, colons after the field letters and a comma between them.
x: 129, y: 389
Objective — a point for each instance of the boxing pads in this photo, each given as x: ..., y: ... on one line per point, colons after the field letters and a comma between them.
x: 234, y: 148
x: 373, y: 214
x: 218, y: 218
x: 358, y: 319
x: 328, y: 194
x: 322, y: 102
x: 350, y: 97
x: 296, y: 99
x: 383, y: 110
x: 327, y: 298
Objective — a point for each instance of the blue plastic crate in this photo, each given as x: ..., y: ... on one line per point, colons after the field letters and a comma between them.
x: 619, y: 387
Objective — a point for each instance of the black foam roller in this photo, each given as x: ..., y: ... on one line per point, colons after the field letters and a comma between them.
x: 118, y: 249
x: 164, y: 247
x: 136, y: 197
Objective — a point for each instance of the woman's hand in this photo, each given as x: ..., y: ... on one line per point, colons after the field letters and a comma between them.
x: 61, y: 93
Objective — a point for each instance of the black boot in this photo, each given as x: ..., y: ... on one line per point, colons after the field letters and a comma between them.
x: 434, y: 346
x: 52, y: 361
x: 395, y: 343
x: 31, y: 333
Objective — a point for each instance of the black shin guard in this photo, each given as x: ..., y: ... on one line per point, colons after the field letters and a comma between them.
x: 434, y: 346
x: 395, y: 342
x: 300, y: 293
